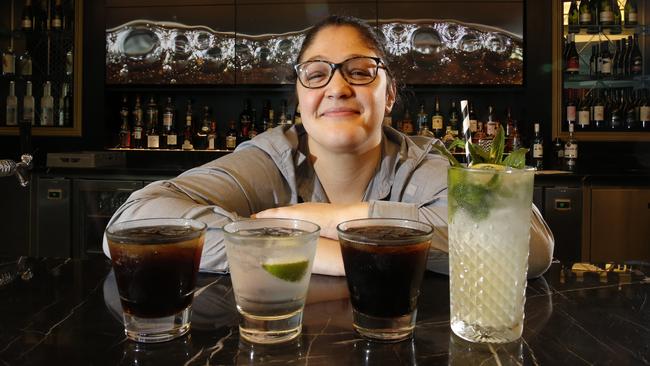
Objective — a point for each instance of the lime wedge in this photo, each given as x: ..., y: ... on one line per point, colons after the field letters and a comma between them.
x: 290, y: 271
x: 485, y: 166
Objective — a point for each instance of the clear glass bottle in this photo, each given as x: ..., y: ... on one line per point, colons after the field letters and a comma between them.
x: 63, y: 114
x: 422, y: 122
x: 571, y: 150
x: 12, y: 106
x: 9, y: 62
x: 29, y: 105
x: 47, y: 105
x: 153, y: 136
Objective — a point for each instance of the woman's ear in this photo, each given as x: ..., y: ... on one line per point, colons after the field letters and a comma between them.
x: 390, y: 97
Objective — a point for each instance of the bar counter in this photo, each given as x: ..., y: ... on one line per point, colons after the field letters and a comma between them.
x: 67, y: 311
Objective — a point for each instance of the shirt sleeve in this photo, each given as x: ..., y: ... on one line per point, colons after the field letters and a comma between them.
x: 216, y: 193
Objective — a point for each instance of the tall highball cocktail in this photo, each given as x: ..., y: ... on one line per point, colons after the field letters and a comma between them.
x: 489, y: 232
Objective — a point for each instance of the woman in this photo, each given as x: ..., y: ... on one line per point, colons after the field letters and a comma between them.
x: 340, y: 164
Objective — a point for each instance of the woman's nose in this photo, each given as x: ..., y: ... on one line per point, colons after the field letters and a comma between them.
x: 338, y: 87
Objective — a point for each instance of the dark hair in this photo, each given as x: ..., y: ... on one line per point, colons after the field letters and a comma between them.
x: 371, y: 35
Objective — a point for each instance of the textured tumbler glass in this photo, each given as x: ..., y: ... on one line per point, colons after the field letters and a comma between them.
x: 489, y: 232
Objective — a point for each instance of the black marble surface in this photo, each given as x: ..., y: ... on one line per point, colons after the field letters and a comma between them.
x: 67, y: 312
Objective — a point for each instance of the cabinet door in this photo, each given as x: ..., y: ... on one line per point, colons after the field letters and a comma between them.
x: 95, y: 201
x: 620, y: 224
x: 14, y: 218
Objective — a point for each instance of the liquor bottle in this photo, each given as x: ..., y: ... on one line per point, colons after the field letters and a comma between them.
x: 599, y: 113
x: 201, y: 136
x: 282, y: 119
x: 153, y: 136
x: 630, y: 12
x: 448, y: 138
x: 558, y: 153
x: 473, y: 122
x: 437, y: 121
x: 169, y: 138
x: 538, y: 149
x: 212, y: 136
x: 571, y: 150
x: 516, y: 137
x: 636, y: 59
x: 245, y: 118
x: 570, y: 107
x: 616, y: 57
x: 188, y: 132
x: 27, y: 17
x: 620, y: 67
x: 47, y: 105
x: 616, y: 115
x: 574, y: 17
x: 422, y: 122
x: 28, y: 105
x: 585, y: 13
x: 125, y: 131
x: 271, y: 123
x: 606, y: 15
x: 479, y: 135
x: 297, y: 117
x: 455, y: 121
x: 605, y: 60
x: 63, y: 112
x: 9, y: 62
x: 138, y: 130
x: 25, y: 64
x: 57, y: 16
x: 231, y: 136
x: 12, y: 106
x: 407, y: 123
x: 584, y: 113
x: 492, y: 123
x: 69, y: 62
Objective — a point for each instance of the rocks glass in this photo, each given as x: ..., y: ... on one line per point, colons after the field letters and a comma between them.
x: 156, y: 262
x: 270, y: 265
x: 489, y: 232
x: 384, y: 260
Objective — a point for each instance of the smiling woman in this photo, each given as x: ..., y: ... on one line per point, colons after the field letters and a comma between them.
x: 340, y: 164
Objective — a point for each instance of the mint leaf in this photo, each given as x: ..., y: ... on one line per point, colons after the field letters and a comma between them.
x: 516, y: 159
x: 479, y: 155
x: 444, y: 152
x: 496, y: 151
x: 473, y: 198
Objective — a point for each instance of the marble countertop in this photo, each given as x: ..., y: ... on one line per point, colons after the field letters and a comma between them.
x: 64, y: 311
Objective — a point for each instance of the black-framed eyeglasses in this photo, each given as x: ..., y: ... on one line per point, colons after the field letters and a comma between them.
x: 360, y: 70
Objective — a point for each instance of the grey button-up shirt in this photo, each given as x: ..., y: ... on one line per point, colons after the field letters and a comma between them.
x: 272, y: 170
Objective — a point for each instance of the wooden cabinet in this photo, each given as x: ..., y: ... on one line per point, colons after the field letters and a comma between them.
x: 619, y: 225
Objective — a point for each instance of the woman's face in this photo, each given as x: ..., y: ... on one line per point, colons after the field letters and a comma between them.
x: 340, y: 117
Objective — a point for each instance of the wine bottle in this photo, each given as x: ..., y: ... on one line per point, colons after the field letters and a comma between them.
x: 631, y: 123
x: 599, y: 112
x: 617, y: 107
x: 188, y: 132
x: 47, y: 105
x: 644, y: 112
x: 585, y: 13
x: 606, y: 15
x: 584, y: 112
x: 636, y: 59
x: 593, y: 63
x: 574, y: 17
x: 27, y: 17
x: 28, y: 105
x: 572, y: 59
x: 538, y: 149
x: 571, y: 150
x: 630, y: 12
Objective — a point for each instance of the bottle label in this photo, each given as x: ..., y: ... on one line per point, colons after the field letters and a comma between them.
x: 573, y: 64
x: 606, y: 66
x: 11, y: 116
x: 636, y: 66
x: 571, y: 113
x: 407, y: 128
x: 583, y: 118
x: 599, y: 113
x: 472, y: 125
x: 538, y: 151
x: 137, y: 133
x: 56, y: 23
x: 560, y: 153
x: 167, y: 119
x: 26, y: 23
x: 153, y: 141
x: 231, y: 142
x: 436, y: 123
x: 172, y: 140
x: 491, y: 129
x: 8, y: 64
x: 210, y: 142
x: 606, y: 16
x: 585, y: 18
x: 631, y: 17
x: 571, y: 151
x: 644, y: 113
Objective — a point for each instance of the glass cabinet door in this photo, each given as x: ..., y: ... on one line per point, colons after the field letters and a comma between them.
x: 40, y: 84
x: 601, y: 72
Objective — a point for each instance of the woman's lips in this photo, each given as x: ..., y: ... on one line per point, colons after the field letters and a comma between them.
x: 339, y: 112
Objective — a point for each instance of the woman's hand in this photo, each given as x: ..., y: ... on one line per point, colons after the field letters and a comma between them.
x: 325, y: 215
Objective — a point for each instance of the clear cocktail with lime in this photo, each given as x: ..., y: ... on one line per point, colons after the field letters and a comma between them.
x: 270, y: 264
